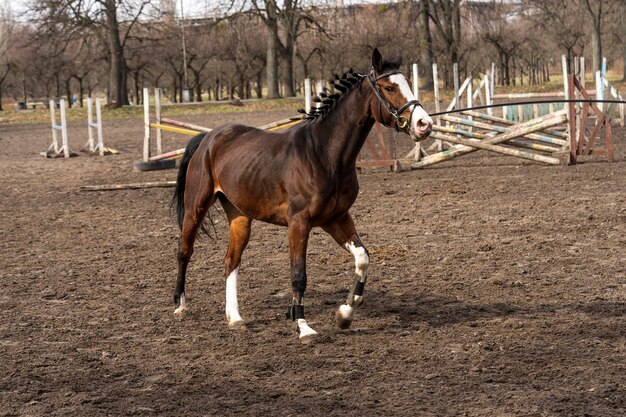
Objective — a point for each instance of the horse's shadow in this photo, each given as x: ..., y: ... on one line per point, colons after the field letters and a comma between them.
x: 437, y: 310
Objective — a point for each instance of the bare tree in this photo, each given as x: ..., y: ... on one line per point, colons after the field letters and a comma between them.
x: 101, y: 17
x: 292, y: 17
x: 446, y: 15
x: 594, y: 9
x: 6, y: 36
x: 425, y: 44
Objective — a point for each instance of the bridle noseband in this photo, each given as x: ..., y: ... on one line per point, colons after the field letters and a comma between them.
x: 400, y: 122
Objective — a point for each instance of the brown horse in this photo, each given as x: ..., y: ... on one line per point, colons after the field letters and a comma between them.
x: 301, y: 178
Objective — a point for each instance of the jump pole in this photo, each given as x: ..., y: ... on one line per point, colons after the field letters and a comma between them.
x: 520, y: 130
x: 91, y: 125
x: 416, y: 82
x: 54, y: 150
x: 501, y: 129
x: 307, y: 94
x: 418, y: 151
x: 146, y: 123
x: 476, y: 143
x: 157, y: 111
x: 488, y: 94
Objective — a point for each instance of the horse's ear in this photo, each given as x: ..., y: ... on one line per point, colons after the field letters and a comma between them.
x: 377, y: 61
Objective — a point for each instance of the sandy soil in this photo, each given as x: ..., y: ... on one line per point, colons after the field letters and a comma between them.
x: 497, y: 288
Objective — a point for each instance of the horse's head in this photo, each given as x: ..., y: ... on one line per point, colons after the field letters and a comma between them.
x: 395, y: 105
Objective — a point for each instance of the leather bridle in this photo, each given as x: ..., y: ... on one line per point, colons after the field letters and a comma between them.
x: 400, y: 122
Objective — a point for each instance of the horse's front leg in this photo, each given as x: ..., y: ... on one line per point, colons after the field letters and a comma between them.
x: 344, y: 233
x: 299, y: 229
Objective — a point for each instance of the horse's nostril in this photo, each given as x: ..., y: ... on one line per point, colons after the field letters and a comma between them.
x: 424, y: 124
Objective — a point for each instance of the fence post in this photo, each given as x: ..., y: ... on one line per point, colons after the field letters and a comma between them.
x: 470, y: 98
x: 582, y: 71
x: 455, y: 80
x: 53, y: 121
x: 416, y: 82
x: 66, y: 146
x: 307, y: 95
x: 599, y: 91
x: 90, y: 141
x: 157, y: 111
x: 488, y: 95
x: 99, y: 122
x: 492, y: 85
x: 146, y: 123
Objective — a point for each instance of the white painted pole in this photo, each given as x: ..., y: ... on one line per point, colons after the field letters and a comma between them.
x: 455, y: 80
x: 157, y: 110
x: 307, y: 95
x: 436, y: 91
x: 438, y: 144
x: 146, y: 123
x: 66, y: 147
x: 603, y: 75
x: 417, y: 151
x: 416, y: 82
x: 570, y: 134
x: 53, y: 121
x: 565, y: 85
x: 90, y: 141
x: 599, y: 90
x: 470, y: 98
x: 99, y: 124
x: 492, y: 80
x: 582, y: 71
x: 319, y: 86
x: 488, y: 95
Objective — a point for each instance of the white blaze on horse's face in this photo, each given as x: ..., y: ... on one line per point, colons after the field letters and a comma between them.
x: 421, y: 123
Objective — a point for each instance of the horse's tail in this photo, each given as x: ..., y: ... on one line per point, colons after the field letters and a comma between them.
x: 178, y: 200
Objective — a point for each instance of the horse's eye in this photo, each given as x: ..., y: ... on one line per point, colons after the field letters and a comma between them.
x: 389, y: 89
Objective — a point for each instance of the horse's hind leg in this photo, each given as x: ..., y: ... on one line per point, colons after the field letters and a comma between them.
x: 198, y: 198
x: 344, y: 233
x: 238, y: 237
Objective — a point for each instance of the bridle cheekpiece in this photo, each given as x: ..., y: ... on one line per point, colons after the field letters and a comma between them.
x: 400, y: 122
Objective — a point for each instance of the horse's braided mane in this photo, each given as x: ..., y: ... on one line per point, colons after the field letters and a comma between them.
x: 342, y: 85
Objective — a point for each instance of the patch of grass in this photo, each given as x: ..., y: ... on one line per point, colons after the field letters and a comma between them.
x: 42, y: 115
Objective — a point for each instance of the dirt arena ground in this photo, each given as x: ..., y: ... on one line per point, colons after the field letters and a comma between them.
x: 496, y: 288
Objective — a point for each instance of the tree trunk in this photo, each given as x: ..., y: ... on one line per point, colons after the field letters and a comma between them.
x: 596, y: 41
x: 259, y: 86
x: 81, y: 91
x: 118, y: 72
x: 288, y: 57
x: 272, y: 50
x: 624, y: 40
x: 4, y: 76
x: 425, y: 46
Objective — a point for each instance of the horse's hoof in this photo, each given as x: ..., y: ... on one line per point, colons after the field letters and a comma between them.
x: 306, y: 339
x: 344, y: 316
x: 237, y: 325
x: 181, y: 305
x: 307, y: 335
x: 358, y: 300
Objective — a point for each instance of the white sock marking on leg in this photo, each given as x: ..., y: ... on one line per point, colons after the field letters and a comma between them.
x: 232, y: 305
x: 181, y: 304
x: 361, y: 261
